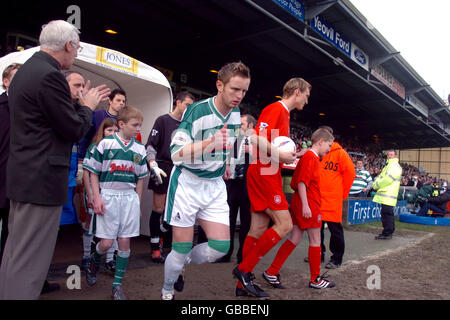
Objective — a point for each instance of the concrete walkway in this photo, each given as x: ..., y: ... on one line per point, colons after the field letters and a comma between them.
x: 360, y: 246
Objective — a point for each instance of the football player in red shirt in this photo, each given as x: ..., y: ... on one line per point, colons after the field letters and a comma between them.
x: 265, y: 187
x: 306, y: 213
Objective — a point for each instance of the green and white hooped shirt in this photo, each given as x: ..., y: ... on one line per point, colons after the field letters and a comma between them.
x: 118, y: 166
x: 200, y: 121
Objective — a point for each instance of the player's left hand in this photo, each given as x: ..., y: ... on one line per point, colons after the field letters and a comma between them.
x: 307, y: 212
x: 287, y: 157
x: 157, y: 173
x: 164, y: 226
x: 99, y: 206
x: 227, y: 175
x: 302, y: 152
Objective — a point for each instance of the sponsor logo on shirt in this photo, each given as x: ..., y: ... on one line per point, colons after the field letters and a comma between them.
x: 263, y: 126
x: 122, y: 168
x: 180, y: 139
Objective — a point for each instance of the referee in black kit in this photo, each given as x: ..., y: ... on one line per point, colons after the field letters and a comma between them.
x: 160, y: 162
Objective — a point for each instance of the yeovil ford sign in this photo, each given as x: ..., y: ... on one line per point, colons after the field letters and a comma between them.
x: 333, y: 36
x: 340, y: 41
x: 327, y: 31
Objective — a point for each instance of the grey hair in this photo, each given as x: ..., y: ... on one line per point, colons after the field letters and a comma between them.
x: 56, y: 33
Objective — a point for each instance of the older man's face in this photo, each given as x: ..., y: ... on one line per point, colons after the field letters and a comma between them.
x: 76, y: 84
x: 70, y: 53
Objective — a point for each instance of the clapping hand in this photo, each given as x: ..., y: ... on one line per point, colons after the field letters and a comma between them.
x: 91, y: 97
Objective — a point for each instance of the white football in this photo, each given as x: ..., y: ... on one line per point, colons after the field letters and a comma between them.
x: 284, y: 144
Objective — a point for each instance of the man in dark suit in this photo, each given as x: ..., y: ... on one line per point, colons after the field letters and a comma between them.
x: 44, y: 126
x: 238, y: 200
x: 7, y: 76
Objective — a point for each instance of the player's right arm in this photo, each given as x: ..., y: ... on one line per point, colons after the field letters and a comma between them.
x: 93, y: 163
x: 99, y: 205
x: 306, y: 210
x: 267, y: 148
x: 87, y: 188
x: 192, y: 150
x: 86, y: 177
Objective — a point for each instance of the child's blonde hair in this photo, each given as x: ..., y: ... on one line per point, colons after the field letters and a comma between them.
x: 129, y: 112
x: 323, y: 134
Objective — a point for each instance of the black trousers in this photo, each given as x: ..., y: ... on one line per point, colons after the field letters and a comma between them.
x: 4, y: 212
x: 337, y: 242
x: 387, y: 219
x: 238, y: 199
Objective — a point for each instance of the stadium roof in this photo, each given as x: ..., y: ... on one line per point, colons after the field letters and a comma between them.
x: 191, y: 37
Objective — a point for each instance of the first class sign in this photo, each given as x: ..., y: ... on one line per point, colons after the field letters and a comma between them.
x: 362, y: 211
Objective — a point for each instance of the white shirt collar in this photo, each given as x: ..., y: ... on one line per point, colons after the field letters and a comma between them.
x: 314, y: 153
x: 284, y: 105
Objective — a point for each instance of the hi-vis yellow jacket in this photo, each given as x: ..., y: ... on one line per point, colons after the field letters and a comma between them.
x: 387, y: 183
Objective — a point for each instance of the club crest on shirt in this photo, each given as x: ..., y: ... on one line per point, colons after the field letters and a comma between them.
x: 277, y: 199
x: 137, y: 159
x: 154, y: 132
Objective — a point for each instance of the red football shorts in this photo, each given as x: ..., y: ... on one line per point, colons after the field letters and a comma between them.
x: 265, y: 191
x: 303, y: 223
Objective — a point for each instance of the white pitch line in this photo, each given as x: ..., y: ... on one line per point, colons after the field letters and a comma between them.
x: 386, y: 252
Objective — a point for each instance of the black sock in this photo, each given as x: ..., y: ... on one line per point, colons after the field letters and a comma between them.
x: 155, y: 231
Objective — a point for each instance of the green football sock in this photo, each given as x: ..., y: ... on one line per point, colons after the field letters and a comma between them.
x: 121, y: 267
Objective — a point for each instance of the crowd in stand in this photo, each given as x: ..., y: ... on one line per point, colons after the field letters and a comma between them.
x: 373, y: 159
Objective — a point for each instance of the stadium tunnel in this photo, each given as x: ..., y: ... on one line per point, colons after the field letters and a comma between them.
x: 376, y: 97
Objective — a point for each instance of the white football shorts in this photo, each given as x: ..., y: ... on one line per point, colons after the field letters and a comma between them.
x: 122, y: 215
x: 190, y: 197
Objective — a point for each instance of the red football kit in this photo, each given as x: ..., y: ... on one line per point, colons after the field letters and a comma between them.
x: 308, y: 172
x: 264, y: 183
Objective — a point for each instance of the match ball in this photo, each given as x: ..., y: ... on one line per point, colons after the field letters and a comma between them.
x: 284, y: 144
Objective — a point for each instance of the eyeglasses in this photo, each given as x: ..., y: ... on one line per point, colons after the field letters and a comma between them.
x: 78, y: 47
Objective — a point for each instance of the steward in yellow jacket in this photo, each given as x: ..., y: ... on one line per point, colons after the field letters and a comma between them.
x: 387, y: 185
